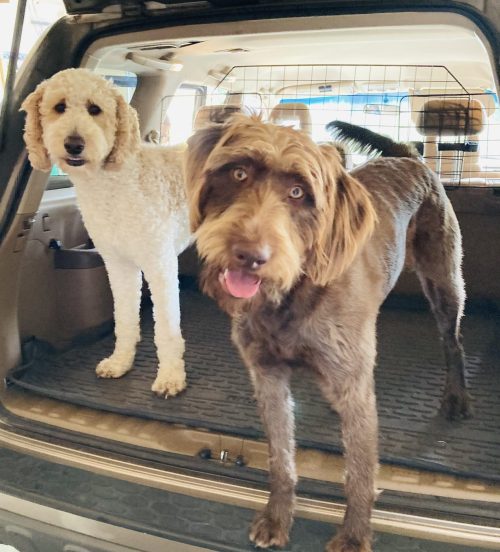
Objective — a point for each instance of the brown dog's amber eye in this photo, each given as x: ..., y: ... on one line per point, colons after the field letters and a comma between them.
x: 240, y: 174
x: 94, y: 109
x: 60, y: 107
x: 296, y: 193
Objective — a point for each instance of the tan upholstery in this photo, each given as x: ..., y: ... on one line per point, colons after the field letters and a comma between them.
x: 210, y: 114
x: 292, y: 113
x: 451, y: 117
x: 460, y: 119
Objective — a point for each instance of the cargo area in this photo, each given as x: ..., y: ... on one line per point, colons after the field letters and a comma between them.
x: 425, y: 78
x: 410, y: 377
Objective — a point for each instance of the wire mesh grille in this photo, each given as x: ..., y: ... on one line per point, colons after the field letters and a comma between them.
x: 458, y: 130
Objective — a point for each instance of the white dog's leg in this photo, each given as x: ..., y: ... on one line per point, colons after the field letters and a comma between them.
x: 126, y: 284
x: 164, y: 286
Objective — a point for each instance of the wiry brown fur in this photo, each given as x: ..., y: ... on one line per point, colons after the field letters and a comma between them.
x: 330, y: 260
x: 327, y: 245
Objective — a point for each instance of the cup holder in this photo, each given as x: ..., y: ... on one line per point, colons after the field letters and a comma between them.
x: 80, y: 257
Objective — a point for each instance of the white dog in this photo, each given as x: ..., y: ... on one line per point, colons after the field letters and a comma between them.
x: 132, y: 201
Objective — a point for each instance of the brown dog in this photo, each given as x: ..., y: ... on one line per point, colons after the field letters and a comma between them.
x: 302, y: 254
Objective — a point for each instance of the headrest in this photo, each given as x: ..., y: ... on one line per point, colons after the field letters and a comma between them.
x: 210, y: 114
x: 451, y: 117
x: 292, y: 113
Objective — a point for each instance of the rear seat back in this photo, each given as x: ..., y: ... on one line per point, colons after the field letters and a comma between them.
x: 214, y: 114
x: 450, y: 127
x: 295, y: 113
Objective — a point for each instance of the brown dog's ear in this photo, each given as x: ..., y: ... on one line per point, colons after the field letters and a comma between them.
x: 127, y: 135
x: 200, y: 145
x: 346, y: 220
x: 33, y: 134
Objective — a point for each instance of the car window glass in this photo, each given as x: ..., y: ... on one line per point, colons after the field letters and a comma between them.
x: 39, y: 15
x: 178, y: 112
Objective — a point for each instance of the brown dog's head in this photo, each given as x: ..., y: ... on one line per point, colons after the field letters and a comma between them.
x: 268, y: 206
x: 79, y: 121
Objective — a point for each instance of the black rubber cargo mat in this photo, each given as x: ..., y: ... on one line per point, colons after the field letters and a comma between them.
x: 409, y: 375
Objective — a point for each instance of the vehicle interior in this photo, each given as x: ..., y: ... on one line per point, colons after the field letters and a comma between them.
x: 423, y: 77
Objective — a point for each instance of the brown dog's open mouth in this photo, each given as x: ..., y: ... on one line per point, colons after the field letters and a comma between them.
x: 75, y: 161
x: 239, y: 284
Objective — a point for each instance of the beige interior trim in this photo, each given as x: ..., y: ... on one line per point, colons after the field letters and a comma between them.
x: 211, y: 489
x: 421, y: 38
x: 163, y: 437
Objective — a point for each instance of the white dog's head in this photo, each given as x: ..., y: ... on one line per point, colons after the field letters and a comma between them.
x: 79, y: 121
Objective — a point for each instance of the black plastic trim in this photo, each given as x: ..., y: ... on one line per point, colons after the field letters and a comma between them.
x: 77, y: 258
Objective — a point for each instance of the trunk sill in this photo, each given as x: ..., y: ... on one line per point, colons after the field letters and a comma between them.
x: 170, y: 438
x: 208, y: 489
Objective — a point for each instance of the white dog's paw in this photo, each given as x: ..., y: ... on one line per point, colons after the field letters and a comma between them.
x: 113, y: 367
x: 170, y: 381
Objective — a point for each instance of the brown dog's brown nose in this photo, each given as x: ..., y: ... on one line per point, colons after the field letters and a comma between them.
x: 251, y: 258
x: 74, y: 144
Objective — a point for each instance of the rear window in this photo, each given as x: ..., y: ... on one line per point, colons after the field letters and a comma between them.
x: 39, y: 15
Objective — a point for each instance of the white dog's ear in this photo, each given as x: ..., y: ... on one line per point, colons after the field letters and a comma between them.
x: 200, y: 145
x: 127, y: 136
x: 33, y: 133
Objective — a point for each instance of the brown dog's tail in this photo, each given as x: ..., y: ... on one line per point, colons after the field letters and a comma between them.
x: 366, y: 141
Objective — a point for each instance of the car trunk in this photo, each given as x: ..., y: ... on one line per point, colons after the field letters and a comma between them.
x: 60, y: 326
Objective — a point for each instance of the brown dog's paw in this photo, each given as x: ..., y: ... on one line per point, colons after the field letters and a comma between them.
x: 342, y: 543
x: 266, y: 531
x: 456, y: 406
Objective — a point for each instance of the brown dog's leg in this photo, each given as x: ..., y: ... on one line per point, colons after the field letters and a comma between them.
x: 446, y: 306
x: 271, y: 526
x: 437, y: 250
x: 356, y: 406
x: 345, y: 376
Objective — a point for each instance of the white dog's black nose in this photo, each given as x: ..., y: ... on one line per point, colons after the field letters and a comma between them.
x: 74, y: 144
x: 251, y: 258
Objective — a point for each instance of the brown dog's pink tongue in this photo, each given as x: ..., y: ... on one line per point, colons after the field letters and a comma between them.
x: 241, y: 284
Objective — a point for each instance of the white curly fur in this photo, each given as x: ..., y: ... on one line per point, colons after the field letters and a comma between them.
x: 133, y: 204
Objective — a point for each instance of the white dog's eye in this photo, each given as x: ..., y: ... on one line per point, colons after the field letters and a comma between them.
x: 240, y: 174
x: 60, y: 107
x: 296, y: 193
x: 94, y: 109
